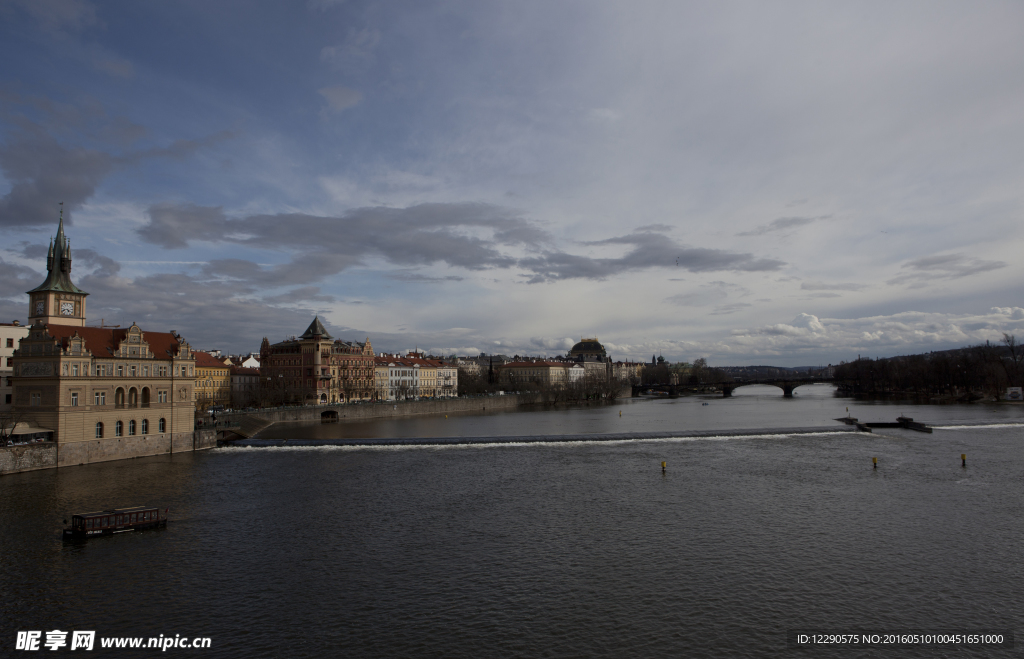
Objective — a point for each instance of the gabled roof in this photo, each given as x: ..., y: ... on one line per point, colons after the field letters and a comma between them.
x: 316, y: 328
x: 102, y: 341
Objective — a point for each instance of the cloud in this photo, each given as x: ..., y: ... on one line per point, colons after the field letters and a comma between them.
x: 649, y: 249
x: 822, y: 286
x: 415, y: 278
x: 42, y: 172
x: 15, y: 279
x: 340, y: 99
x: 782, y: 224
x: 710, y: 293
x: 920, y: 272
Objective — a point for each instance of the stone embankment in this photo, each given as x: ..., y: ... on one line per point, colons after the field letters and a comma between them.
x: 251, y: 423
x: 51, y: 455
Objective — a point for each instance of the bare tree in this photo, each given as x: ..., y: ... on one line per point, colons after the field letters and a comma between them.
x: 1016, y: 356
x: 9, y: 419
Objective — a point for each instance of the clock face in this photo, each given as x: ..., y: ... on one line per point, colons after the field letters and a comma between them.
x: 40, y: 306
x: 67, y: 308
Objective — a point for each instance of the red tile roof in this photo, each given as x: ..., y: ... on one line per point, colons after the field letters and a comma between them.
x: 206, y: 360
x: 102, y: 341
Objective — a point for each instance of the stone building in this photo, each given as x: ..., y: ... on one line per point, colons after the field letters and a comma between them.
x: 592, y: 355
x: 10, y: 335
x: 100, y: 393
x: 213, y: 381
x: 316, y: 369
x: 245, y: 386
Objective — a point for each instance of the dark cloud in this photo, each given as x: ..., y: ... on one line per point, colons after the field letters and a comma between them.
x: 782, y: 224
x: 418, y: 235
x: 822, y: 286
x: 302, y: 269
x: 16, y: 279
x: 300, y: 294
x: 415, y: 278
x: 943, y: 266
x: 649, y: 250
x: 42, y: 172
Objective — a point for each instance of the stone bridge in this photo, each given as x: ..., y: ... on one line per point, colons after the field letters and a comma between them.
x: 726, y: 388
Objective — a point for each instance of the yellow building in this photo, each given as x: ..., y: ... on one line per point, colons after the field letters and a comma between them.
x: 213, y: 381
x: 100, y: 393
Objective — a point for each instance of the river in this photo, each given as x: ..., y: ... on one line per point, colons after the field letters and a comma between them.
x: 561, y: 549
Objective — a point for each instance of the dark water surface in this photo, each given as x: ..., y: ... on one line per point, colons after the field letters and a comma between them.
x: 550, y: 550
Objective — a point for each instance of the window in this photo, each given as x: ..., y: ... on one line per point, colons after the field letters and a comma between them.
x: 10, y: 343
x: 100, y: 397
x: 162, y: 426
x: 7, y: 399
x: 134, y: 370
x: 118, y: 429
x: 99, y: 431
x: 145, y: 426
x: 145, y: 371
x: 161, y: 396
x: 131, y: 427
x: 74, y: 370
x: 120, y: 370
x: 74, y: 399
x: 10, y: 361
x: 35, y: 399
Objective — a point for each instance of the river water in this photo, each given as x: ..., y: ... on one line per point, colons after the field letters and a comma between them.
x: 562, y: 549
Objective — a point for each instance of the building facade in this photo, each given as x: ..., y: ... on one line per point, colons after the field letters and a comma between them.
x: 245, y: 386
x: 100, y: 393
x: 10, y: 335
x: 316, y: 369
x: 213, y: 382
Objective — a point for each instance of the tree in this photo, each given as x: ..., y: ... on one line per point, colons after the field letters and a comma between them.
x: 1016, y: 356
x: 9, y: 419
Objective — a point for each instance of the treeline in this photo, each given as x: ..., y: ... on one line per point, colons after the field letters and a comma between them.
x: 696, y: 373
x: 967, y: 373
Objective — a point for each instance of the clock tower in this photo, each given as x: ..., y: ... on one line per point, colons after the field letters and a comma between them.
x: 57, y: 300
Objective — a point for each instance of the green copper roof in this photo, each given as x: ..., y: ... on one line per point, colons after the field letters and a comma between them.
x: 58, y: 265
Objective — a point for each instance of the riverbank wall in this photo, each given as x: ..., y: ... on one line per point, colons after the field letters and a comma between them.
x: 381, y: 410
x: 51, y: 455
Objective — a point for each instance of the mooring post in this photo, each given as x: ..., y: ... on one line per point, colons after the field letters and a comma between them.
x: 963, y: 459
x: 663, y: 466
x: 874, y: 461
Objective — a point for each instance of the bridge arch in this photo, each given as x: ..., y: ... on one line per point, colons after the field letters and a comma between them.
x: 328, y: 416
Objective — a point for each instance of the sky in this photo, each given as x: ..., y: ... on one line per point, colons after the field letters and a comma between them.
x: 785, y: 183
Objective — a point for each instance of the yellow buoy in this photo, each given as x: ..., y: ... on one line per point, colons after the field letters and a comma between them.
x: 874, y: 461
x: 963, y: 459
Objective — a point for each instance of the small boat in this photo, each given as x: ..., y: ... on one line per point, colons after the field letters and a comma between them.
x: 109, y: 522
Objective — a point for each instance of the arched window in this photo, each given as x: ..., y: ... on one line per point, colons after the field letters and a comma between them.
x: 99, y: 431
x: 145, y: 426
x: 133, y: 397
x: 162, y: 426
x: 131, y: 427
x: 119, y: 397
x: 118, y: 429
x: 145, y: 396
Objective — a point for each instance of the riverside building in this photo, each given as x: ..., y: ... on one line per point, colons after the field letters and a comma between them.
x: 10, y: 335
x: 316, y: 369
x: 100, y: 393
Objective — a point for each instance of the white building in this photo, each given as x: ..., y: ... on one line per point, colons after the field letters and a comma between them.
x: 447, y: 380
x: 10, y: 335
